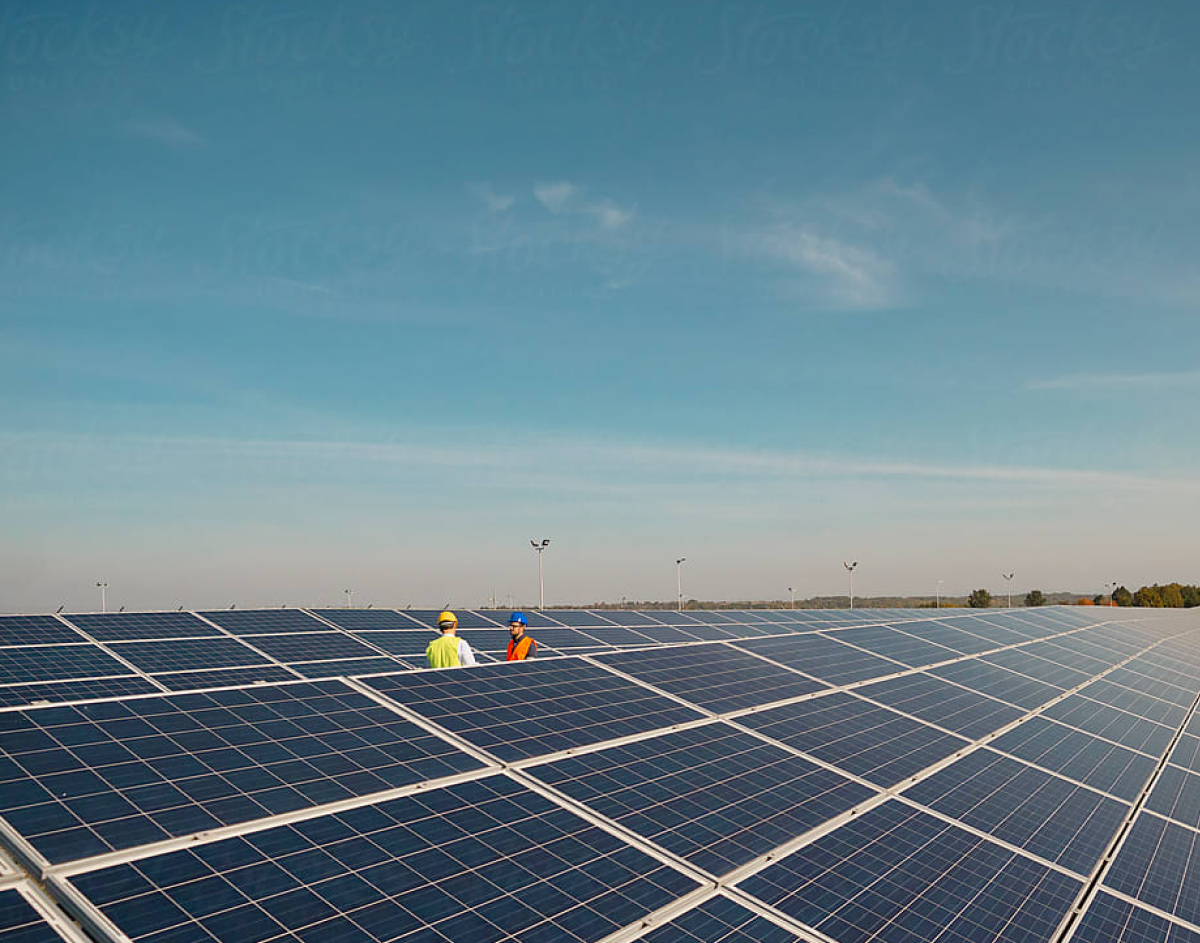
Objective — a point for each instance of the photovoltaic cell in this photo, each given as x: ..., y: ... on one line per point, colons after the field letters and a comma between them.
x: 526, y: 709
x: 1144, y: 705
x: 935, y: 701
x: 991, y: 631
x: 22, y: 694
x: 1159, y: 864
x: 21, y: 923
x: 860, y: 737
x: 713, y: 617
x: 1186, y: 753
x: 265, y: 621
x: 717, y: 677
x: 130, y: 626
x: 576, y: 618
x: 711, y: 633
x: 721, y: 919
x: 315, y: 646
x: 896, y: 645
x: 345, y: 667
x: 666, y: 633
x: 194, y: 680
x: 80, y: 781
x: 1112, y: 724
x: 466, y: 618
x: 713, y: 795
x: 629, y: 617
x: 368, y: 619
x: 898, y: 874
x: 1176, y: 795
x: 823, y: 658
x: 35, y: 630
x: 57, y: 663
x: 409, y: 643
x: 184, y: 654
x: 945, y: 635
x: 1024, y: 661
x: 1078, y: 755
x: 1111, y: 920
x: 617, y: 636
x: 997, y: 682
x: 1048, y: 816
x: 479, y: 862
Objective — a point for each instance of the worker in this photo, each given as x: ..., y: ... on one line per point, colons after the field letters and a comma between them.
x: 448, y: 650
x: 521, y: 646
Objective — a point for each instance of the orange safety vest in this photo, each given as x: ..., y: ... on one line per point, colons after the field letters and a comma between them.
x: 521, y: 648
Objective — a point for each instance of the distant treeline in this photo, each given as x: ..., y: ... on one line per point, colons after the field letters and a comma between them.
x: 1169, y: 596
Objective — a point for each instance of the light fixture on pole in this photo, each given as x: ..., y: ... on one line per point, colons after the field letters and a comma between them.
x: 349, y: 598
x: 541, y: 548
x: 1112, y: 589
x: 103, y: 587
x: 850, y: 569
x: 793, y: 592
x: 679, y: 581
x: 1008, y: 580
x: 937, y: 595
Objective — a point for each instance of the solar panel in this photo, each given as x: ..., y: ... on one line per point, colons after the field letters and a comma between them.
x: 1176, y: 795
x: 130, y: 626
x: 617, y: 636
x: 21, y: 694
x: 997, y: 682
x: 1111, y: 920
x: 577, y: 618
x: 939, y: 633
x: 1159, y: 865
x: 896, y: 873
x: 896, y: 645
x: 1154, y: 687
x: 1026, y: 662
x: 721, y: 919
x: 35, y: 630
x: 466, y: 618
x: 862, y: 738
x: 991, y: 630
x: 716, y: 677
x: 81, y: 781
x: 184, y: 654
x: 1111, y: 723
x: 264, y: 621
x: 711, y: 633
x: 666, y: 633
x: 523, y: 709
x: 1024, y: 806
x: 355, y: 619
x: 713, y: 795
x: 57, y: 663
x: 482, y: 861
x: 938, y: 702
x: 1186, y: 753
x: 821, y: 657
x: 712, y: 617
x: 628, y: 617
x: 194, y: 680
x: 409, y: 643
x: 343, y: 667
x: 20, y: 922
x: 312, y: 646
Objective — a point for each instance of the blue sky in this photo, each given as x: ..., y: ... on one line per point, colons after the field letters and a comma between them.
x: 303, y: 297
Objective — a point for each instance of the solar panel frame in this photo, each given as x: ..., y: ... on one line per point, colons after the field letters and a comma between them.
x: 37, y: 630
x: 1110, y: 919
x: 59, y: 663
x: 170, y: 655
x: 823, y: 658
x: 23, y: 695
x: 942, y: 703
x: 141, y: 626
x: 357, y: 620
x: 264, y: 621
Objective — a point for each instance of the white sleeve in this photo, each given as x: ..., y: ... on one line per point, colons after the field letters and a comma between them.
x: 466, y: 657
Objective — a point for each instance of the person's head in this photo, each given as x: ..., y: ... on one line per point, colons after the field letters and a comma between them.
x: 517, y: 623
x: 447, y: 622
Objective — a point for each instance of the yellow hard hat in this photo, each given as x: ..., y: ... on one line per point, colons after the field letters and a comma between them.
x: 447, y: 618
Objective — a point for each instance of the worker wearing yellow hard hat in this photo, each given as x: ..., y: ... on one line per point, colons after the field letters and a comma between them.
x: 448, y: 650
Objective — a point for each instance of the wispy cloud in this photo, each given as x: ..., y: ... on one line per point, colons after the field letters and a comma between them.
x: 495, y: 202
x: 555, y: 196
x: 843, y: 274
x: 608, y: 214
x: 165, y: 131
x: 1120, y: 381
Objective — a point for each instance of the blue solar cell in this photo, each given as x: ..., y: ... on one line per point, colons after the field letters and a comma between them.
x: 1176, y: 795
x: 713, y: 617
x: 131, y: 626
x: 674, y: 617
x: 1109, y: 919
x: 628, y: 617
x: 997, y: 682
x: 717, y: 677
x: 720, y: 919
x: 713, y: 795
x: 711, y: 633
x: 1044, y: 814
x: 666, y: 633
x: 1098, y: 763
x: 21, y: 923
x: 1026, y: 662
x: 194, y: 680
x: 566, y: 640
x: 20, y: 694
x: 1159, y: 864
x: 57, y: 663
x: 345, y: 667
x: 945, y: 635
x: 1133, y: 702
x: 368, y: 619
x: 479, y: 862
x: 312, y: 646
x: 466, y: 618
x: 823, y: 658
x: 35, y: 630
x: 186, y: 654
x: 935, y: 701
x: 1186, y: 753
x: 898, y: 874
x: 410, y: 643
x: 990, y: 630
x: 264, y: 621
x: 1111, y: 724
x: 79, y: 781
x: 895, y: 644
x: 577, y: 618
x: 860, y: 737
x: 617, y: 636
x: 533, y: 708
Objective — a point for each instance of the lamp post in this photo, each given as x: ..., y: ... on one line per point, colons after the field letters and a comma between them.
x: 793, y: 592
x: 679, y: 581
x: 103, y: 587
x: 1112, y: 588
x: 937, y: 595
x: 1008, y: 580
x: 540, y: 547
x: 850, y: 569
x: 349, y: 598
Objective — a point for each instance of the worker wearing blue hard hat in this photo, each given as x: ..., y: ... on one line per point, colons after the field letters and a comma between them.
x: 520, y: 646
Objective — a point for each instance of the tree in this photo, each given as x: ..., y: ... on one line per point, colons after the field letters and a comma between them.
x: 1035, y: 597
x: 1191, y: 596
x: 1098, y: 599
x: 1122, y: 597
x: 1172, y: 595
x: 1148, y: 596
x: 979, y: 599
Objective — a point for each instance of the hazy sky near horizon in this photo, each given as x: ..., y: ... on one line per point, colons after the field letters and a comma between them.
x: 300, y: 297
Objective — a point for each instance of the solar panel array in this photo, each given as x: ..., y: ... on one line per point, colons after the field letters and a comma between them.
x: 768, y: 775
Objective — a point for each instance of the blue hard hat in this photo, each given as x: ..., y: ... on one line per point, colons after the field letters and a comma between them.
x: 518, y: 617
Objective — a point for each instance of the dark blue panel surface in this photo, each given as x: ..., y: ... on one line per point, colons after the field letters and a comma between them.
x: 532, y: 708
x: 374, y: 618
x: 1078, y: 755
x: 1159, y: 864
x: 264, y: 621
x: 860, y: 737
x: 1027, y: 662
x: 990, y: 630
x: 895, y: 644
x: 185, y: 654
x: 21, y: 923
x: 720, y: 919
x: 713, y: 617
x: 945, y: 635
x: 57, y: 663
x: 713, y: 795
x: 719, y: 678
x: 193, y: 680
x: 935, y: 701
x: 666, y: 633
x: 1176, y: 795
x: 1186, y: 753
x: 35, y: 630
x: 466, y: 618
x: 997, y: 682
x: 822, y: 657
x: 1112, y: 724
x: 78, y: 781
x: 898, y: 875
x: 479, y: 862
x: 1111, y: 920
x: 123, y: 626
x: 1135, y: 702
x: 629, y: 617
x: 408, y: 643
x: 617, y: 636
x: 346, y: 667
x: 577, y: 617
x: 1044, y: 814
x: 20, y: 694
x: 566, y: 640
x: 313, y: 646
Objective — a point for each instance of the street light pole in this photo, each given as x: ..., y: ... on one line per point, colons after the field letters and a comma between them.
x: 541, y: 548
x: 679, y: 581
x: 850, y: 569
x: 103, y: 587
x: 1008, y: 580
x: 937, y: 595
x: 793, y: 592
x: 349, y: 598
x: 1112, y: 589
